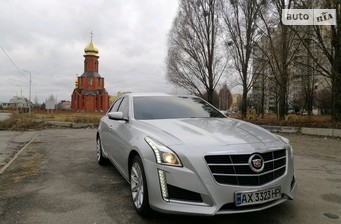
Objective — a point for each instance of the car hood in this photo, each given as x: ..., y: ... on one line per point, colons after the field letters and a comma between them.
x: 207, y: 132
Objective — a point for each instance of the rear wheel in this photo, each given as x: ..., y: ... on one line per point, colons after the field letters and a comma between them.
x: 138, y: 187
x: 100, y: 159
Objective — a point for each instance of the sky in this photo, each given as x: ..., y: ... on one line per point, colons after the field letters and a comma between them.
x: 48, y: 37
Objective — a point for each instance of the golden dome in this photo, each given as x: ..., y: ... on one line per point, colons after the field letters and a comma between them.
x: 90, y: 49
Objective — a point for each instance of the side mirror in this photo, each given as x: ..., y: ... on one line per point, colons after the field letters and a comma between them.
x: 116, y: 116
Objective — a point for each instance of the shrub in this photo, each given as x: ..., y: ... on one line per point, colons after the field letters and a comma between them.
x: 20, y: 122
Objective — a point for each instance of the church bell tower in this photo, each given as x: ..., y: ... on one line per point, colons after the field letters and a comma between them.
x: 89, y: 93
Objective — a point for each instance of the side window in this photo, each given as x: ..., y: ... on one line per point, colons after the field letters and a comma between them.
x: 115, y: 106
x: 124, y: 107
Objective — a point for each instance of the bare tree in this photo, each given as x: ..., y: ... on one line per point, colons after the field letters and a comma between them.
x: 260, y: 92
x: 324, y: 100
x: 336, y: 61
x: 260, y: 88
x: 306, y: 77
x: 195, y: 60
x: 280, y: 50
x: 326, y: 40
x: 240, y: 18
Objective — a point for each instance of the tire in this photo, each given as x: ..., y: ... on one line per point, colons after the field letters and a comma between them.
x: 138, y: 187
x: 100, y: 158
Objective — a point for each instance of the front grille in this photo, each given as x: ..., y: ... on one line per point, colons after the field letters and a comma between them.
x: 235, y: 169
x: 177, y: 193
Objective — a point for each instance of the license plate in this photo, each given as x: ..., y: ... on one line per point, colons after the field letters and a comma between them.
x: 257, y: 197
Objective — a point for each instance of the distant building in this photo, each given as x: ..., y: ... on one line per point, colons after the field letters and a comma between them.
x: 9, y: 106
x: 236, y: 102
x: 64, y: 105
x: 89, y: 93
x: 17, y: 103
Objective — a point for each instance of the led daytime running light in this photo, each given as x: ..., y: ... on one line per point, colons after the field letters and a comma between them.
x: 156, y: 151
x: 163, y: 185
x: 163, y: 154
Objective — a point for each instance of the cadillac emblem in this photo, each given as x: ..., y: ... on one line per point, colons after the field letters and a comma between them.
x: 256, y: 163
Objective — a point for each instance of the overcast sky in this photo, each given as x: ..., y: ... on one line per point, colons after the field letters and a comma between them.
x: 48, y: 39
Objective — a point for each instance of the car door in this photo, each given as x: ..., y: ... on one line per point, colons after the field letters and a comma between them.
x: 105, y: 131
x: 120, y: 135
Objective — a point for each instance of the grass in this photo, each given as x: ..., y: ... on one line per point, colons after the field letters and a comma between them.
x: 19, y: 122
x: 22, y: 122
x: 70, y: 117
x: 316, y: 121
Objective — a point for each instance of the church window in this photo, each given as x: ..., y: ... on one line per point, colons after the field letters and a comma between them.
x: 90, y: 82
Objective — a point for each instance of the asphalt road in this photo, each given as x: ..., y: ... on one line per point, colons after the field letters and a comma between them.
x: 56, y: 179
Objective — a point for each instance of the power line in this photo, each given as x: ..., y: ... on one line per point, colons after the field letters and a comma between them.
x: 12, y: 61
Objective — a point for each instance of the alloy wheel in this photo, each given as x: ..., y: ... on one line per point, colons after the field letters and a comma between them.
x: 98, y: 149
x: 136, y: 184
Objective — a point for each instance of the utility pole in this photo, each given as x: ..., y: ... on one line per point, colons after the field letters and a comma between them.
x: 29, y: 100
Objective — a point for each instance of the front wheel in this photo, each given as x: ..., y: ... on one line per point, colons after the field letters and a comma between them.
x: 138, y: 187
x: 99, y: 152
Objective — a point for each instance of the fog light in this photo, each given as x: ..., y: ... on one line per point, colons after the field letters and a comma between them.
x: 163, y: 185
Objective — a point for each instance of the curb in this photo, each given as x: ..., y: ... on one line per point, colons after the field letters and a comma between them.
x: 305, y: 131
x: 282, y: 129
x: 322, y: 132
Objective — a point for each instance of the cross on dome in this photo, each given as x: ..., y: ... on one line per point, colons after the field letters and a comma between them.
x: 90, y: 49
x: 91, y: 35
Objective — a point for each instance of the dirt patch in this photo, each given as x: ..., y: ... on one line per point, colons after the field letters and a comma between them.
x: 336, y: 198
x: 27, y: 165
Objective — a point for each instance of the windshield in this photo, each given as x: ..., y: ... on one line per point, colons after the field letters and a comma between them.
x: 169, y: 107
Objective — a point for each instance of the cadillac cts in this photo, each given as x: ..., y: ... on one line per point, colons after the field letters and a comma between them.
x: 182, y: 156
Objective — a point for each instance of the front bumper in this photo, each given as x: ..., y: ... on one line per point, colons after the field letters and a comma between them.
x: 213, y: 198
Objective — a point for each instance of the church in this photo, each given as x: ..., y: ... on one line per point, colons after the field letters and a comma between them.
x: 89, y: 93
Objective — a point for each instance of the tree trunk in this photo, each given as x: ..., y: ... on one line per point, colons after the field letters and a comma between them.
x: 336, y: 73
x: 210, y: 93
x: 336, y: 85
x: 244, y: 104
x: 262, y: 99
x: 282, y: 101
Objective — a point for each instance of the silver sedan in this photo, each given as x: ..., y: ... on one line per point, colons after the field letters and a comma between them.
x: 182, y: 156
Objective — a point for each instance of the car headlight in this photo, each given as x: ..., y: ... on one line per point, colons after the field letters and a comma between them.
x: 163, y: 154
